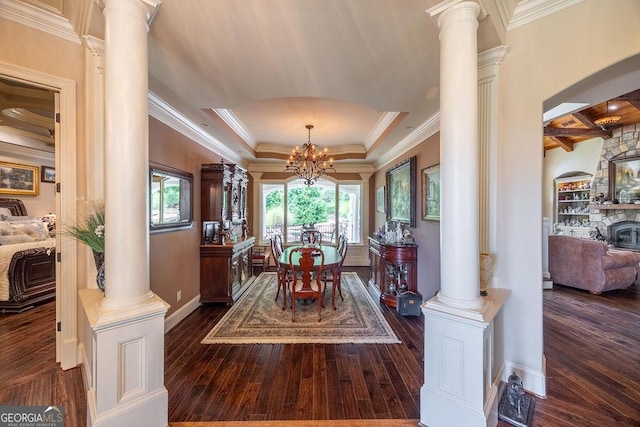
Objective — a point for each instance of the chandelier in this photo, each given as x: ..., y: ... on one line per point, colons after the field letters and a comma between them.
x: 607, y: 121
x: 308, y: 163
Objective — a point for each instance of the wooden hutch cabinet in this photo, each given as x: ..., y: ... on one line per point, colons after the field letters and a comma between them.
x: 393, y: 269
x: 225, y: 264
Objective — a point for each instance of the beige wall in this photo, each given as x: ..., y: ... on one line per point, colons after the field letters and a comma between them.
x: 35, y: 50
x: 538, y: 66
x: 175, y: 255
x: 426, y: 233
x: 45, y: 201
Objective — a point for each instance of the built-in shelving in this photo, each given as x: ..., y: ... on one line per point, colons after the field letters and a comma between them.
x: 572, y: 200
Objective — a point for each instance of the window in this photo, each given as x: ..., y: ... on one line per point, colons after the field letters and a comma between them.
x: 330, y: 208
x: 170, y: 199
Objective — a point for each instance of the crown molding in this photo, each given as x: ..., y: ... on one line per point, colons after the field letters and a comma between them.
x: 428, y: 128
x: 265, y: 167
x: 344, y: 151
x: 171, y: 117
x: 43, y: 18
x: 236, y: 125
x: 528, y: 11
x: 385, y: 121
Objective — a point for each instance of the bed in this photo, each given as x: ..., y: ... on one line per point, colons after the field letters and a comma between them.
x: 27, y: 259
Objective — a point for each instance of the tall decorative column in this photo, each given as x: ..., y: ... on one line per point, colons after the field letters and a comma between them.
x: 123, y: 333
x: 462, y: 369
x: 126, y: 153
x: 459, y: 153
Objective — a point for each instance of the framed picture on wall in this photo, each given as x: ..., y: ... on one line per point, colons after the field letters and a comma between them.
x: 380, y: 199
x: 16, y: 179
x: 624, y: 175
x: 47, y: 174
x: 401, y: 192
x: 431, y: 193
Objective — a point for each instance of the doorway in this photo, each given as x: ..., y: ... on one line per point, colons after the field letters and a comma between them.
x: 65, y: 203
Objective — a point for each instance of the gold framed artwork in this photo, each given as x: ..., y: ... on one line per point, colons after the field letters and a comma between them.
x: 431, y: 193
x: 19, y: 180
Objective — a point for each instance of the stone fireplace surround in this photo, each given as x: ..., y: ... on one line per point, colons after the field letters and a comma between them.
x: 624, y: 143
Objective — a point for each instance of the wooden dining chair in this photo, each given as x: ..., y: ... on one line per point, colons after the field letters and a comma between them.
x: 313, y: 237
x: 335, y: 277
x: 307, y: 284
x: 282, y: 271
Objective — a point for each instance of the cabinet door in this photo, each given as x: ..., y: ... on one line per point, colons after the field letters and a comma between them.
x: 374, y: 269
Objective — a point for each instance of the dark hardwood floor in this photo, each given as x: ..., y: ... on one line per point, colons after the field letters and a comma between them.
x: 592, y: 345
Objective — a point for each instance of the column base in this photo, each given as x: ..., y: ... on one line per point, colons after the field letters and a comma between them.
x: 123, y: 361
x: 462, y: 369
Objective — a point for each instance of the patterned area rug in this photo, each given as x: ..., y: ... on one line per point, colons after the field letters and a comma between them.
x: 257, y: 318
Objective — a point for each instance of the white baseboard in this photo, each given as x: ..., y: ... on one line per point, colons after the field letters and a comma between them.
x: 547, y: 284
x: 181, y: 313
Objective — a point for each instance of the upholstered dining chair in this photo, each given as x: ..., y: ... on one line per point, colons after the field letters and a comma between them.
x: 329, y: 276
x: 308, y: 283
x: 313, y: 237
x: 281, y: 270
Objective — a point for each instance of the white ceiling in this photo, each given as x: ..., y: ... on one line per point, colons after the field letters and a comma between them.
x: 250, y: 74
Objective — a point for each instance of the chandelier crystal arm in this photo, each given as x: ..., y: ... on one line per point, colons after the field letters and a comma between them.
x: 308, y: 163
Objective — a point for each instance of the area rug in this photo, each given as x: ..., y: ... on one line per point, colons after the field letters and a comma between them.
x: 257, y: 318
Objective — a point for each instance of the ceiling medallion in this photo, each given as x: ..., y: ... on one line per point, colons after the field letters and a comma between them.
x: 309, y: 163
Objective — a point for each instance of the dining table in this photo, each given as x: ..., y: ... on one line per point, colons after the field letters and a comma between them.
x: 332, y: 262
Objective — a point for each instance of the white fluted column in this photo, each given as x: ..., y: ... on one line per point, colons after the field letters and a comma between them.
x: 459, y: 154
x: 126, y: 153
x: 123, y: 329
x: 462, y: 368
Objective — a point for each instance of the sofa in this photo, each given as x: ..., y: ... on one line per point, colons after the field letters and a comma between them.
x: 590, y: 264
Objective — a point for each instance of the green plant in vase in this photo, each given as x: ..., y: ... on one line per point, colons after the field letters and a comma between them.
x: 90, y: 231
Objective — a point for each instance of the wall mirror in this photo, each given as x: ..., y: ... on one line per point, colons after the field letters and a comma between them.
x: 171, y: 198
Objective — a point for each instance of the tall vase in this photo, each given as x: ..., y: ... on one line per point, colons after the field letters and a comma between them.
x: 486, y: 270
x: 98, y: 257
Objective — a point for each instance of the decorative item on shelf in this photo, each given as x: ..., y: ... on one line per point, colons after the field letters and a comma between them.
x: 407, y: 238
x: 245, y: 229
x: 90, y: 231
x: 625, y: 197
x: 486, y: 270
x: 309, y: 164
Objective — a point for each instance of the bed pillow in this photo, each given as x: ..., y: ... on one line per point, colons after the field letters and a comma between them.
x: 35, y: 229
x: 6, y: 229
x: 12, y: 240
x: 4, y: 213
x: 12, y: 218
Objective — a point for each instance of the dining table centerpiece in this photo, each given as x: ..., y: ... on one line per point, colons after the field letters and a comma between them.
x: 90, y: 231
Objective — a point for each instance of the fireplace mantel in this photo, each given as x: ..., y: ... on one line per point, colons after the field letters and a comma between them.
x: 618, y: 206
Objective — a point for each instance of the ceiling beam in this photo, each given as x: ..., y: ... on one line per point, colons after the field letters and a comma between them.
x: 566, y: 145
x: 560, y: 132
x: 586, y: 120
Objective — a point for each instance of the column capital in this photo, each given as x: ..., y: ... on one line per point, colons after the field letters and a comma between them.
x: 151, y: 7
x: 443, y: 8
